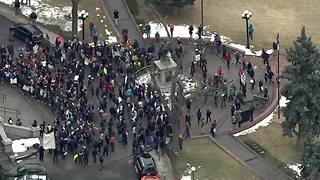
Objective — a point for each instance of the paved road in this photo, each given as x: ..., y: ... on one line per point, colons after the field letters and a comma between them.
x: 67, y: 169
x: 4, y: 31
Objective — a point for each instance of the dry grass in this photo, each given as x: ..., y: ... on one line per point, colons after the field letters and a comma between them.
x: 269, y: 17
x: 94, y: 8
x: 214, y: 162
x: 279, y: 147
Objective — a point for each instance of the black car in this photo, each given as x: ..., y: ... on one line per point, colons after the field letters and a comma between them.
x: 27, y: 32
x: 145, y: 165
x: 31, y: 171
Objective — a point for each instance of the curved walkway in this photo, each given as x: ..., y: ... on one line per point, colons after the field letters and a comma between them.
x: 236, y: 147
x: 125, y: 20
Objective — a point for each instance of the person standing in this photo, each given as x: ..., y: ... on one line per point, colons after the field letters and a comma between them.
x: 202, y: 126
x: 180, y: 140
x: 250, y: 29
x: 171, y: 26
x: 237, y: 56
x: 101, y: 159
x: 188, y: 103
x: 187, y: 131
x: 199, y: 115
x: 94, y: 155
x: 55, y: 154
x: 213, y: 128
x: 208, y: 114
x: 190, y: 31
x: 17, y: 7
x: 112, y: 142
x: 228, y: 59
x: 116, y: 16
x: 105, y: 150
x: 148, y: 30
x: 200, y: 31
x: 188, y: 119
x: 41, y: 153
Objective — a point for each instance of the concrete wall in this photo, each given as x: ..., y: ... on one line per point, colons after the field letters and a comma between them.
x: 17, y: 132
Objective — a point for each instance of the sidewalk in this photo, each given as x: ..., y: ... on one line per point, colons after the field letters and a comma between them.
x: 163, y: 164
x: 8, y: 12
x: 125, y: 20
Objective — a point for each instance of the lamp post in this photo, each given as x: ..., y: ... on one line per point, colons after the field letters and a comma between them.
x: 193, y: 169
x: 83, y: 16
x: 278, y: 74
x: 247, y: 15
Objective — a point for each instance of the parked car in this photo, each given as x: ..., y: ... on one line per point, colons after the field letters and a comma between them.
x: 145, y: 167
x: 31, y: 171
x: 27, y: 31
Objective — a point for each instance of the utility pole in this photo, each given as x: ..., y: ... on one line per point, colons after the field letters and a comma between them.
x: 278, y: 74
x: 202, y: 15
x: 74, y: 14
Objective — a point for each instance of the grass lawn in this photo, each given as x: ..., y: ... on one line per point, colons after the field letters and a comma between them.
x: 279, y: 147
x: 96, y: 16
x: 210, y: 161
x: 269, y: 17
x: 270, y: 144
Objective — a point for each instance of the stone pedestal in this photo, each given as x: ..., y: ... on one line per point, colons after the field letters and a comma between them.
x: 165, y: 69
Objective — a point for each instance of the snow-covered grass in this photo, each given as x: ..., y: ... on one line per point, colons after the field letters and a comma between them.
x: 296, y: 168
x: 265, y: 122
x: 22, y: 145
x: 58, y: 13
x: 182, y: 31
x: 47, y: 14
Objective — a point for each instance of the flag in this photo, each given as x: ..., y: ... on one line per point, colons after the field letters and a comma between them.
x: 49, y: 141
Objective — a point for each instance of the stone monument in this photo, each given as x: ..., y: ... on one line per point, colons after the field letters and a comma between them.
x: 165, y: 69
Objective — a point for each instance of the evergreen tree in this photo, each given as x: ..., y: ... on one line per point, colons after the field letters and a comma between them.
x: 302, y: 90
x: 311, y: 162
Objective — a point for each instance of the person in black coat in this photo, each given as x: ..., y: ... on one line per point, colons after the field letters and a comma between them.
x: 41, y: 153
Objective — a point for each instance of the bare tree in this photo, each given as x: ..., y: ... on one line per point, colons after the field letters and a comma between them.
x: 75, y: 4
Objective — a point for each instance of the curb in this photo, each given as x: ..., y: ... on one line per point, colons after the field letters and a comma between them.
x: 106, y: 12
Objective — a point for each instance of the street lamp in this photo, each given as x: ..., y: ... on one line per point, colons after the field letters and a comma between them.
x: 193, y: 169
x: 83, y: 16
x: 247, y: 15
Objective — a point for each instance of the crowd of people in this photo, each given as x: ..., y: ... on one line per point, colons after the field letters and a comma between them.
x: 93, y: 91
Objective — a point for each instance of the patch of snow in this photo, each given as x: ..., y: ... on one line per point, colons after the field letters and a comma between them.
x: 283, y: 101
x: 265, y: 122
x: 48, y: 14
x: 295, y: 168
x: 183, y: 32
x: 22, y: 145
x: 179, y: 30
x: 186, y: 177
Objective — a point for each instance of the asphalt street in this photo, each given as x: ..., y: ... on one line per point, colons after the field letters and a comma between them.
x: 4, y: 31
